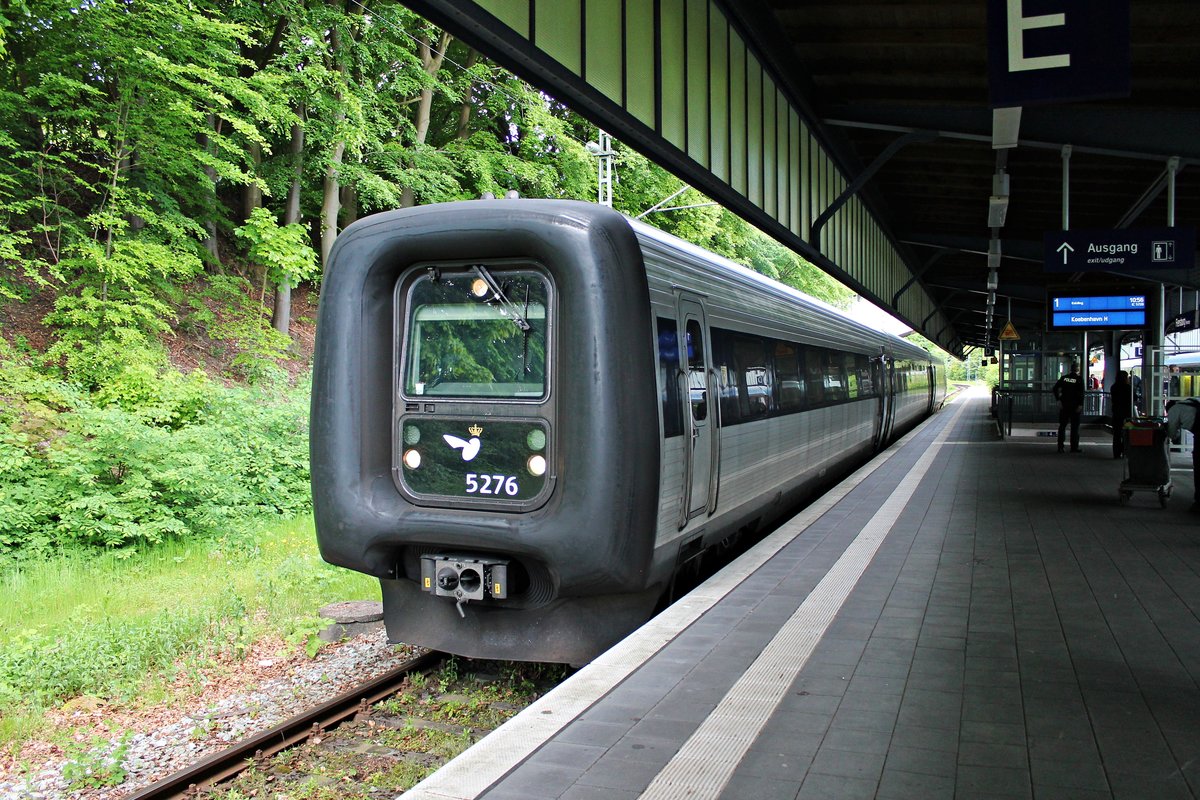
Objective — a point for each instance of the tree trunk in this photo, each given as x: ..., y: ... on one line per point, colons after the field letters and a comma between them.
x: 281, y: 318
x: 136, y: 223
x: 432, y: 62
x: 464, y: 110
x: 349, y: 206
x: 252, y: 193
x: 291, y: 214
x: 210, y: 223
x: 332, y: 203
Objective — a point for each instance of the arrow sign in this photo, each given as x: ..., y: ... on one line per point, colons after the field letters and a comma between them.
x: 1065, y: 248
x: 1124, y: 250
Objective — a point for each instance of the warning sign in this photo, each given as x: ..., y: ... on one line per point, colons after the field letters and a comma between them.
x: 1009, y: 334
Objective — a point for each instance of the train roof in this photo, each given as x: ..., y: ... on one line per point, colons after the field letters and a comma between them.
x: 761, y: 281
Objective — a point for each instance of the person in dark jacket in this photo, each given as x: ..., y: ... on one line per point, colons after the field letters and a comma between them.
x: 1120, y: 406
x: 1182, y: 416
x: 1069, y: 394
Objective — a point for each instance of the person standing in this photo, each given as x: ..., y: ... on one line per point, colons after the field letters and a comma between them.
x: 1182, y: 416
x: 1120, y: 405
x: 1069, y: 394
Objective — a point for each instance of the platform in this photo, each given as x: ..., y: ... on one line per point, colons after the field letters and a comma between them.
x: 964, y: 617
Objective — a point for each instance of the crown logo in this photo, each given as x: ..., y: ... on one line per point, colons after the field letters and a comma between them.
x: 474, y: 430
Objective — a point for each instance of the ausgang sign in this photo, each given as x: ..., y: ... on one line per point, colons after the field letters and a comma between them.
x: 1120, y: 250
x: 1049, y: 51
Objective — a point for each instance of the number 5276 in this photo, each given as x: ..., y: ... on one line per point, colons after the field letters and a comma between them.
x: 492, y: 484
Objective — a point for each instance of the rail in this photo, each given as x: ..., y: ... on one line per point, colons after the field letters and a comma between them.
x: 229, y: 762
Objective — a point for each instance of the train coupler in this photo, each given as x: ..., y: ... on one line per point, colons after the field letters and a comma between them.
x: 464, y: 578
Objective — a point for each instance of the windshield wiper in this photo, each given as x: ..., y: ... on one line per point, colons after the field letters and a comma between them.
x: 507, y: 307
x: 525, y: 338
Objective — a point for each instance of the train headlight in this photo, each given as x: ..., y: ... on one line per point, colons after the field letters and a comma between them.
x: 412, y: 434
x: 536, y: 465
x: 536, y: 439
x: 479, y: 288
x: 412, y: 459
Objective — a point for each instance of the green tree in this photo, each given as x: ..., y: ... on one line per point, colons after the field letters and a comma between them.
x: 282, y: 252
x: 122, y: 118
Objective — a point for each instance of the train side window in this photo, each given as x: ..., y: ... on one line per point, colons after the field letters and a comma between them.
x: 668, y: 376
x: 834, y: 376
x: 918, y: 376
x: 788, y: 381
x: 814, y: 375
x: 696, y: 377
x: 728, y: 386
x: 866, y: 379
x: 749, y: 358
x: 853, y: 387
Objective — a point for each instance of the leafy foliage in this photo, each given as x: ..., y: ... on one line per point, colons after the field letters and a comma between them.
x: 121, y: 119
x: 283, y: 250
x: 107, y: 659
x: 98, y: 765
x: 227, y: 310
x: 192, y: 458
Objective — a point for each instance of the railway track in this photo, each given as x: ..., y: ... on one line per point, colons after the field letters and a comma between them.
x: 226, y: 764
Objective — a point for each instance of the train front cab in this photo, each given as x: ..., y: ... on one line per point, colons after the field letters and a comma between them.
x: 479, y: 441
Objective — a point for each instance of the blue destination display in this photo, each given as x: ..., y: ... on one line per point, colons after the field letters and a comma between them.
x: 1107, y: 311
x: 1115, y: 303
x: 1099, y: 319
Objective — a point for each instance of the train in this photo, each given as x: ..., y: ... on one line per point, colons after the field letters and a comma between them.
x: 530, y: 416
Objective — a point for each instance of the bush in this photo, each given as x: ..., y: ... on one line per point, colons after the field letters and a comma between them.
x: 226, y: 310
x: 108, y: 659
x: 181, y: 456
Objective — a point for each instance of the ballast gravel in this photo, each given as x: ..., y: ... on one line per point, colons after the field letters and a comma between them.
x: 235, y: 701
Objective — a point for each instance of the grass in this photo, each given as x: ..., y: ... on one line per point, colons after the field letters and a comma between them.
x: 123, y: 625
x: 408, y: 736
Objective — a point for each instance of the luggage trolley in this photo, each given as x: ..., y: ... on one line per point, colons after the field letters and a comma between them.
x: 1147, y: 460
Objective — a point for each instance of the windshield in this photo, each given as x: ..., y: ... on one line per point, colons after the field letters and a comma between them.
x: 476, y: 332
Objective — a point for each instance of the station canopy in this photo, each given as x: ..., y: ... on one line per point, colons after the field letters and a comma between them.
x: 897, y: 95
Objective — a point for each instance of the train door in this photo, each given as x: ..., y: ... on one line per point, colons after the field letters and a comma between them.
x: 887, y: 400
x: 700, y: 473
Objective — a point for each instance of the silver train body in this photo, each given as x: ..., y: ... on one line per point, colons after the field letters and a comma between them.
x: 529, y: 416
